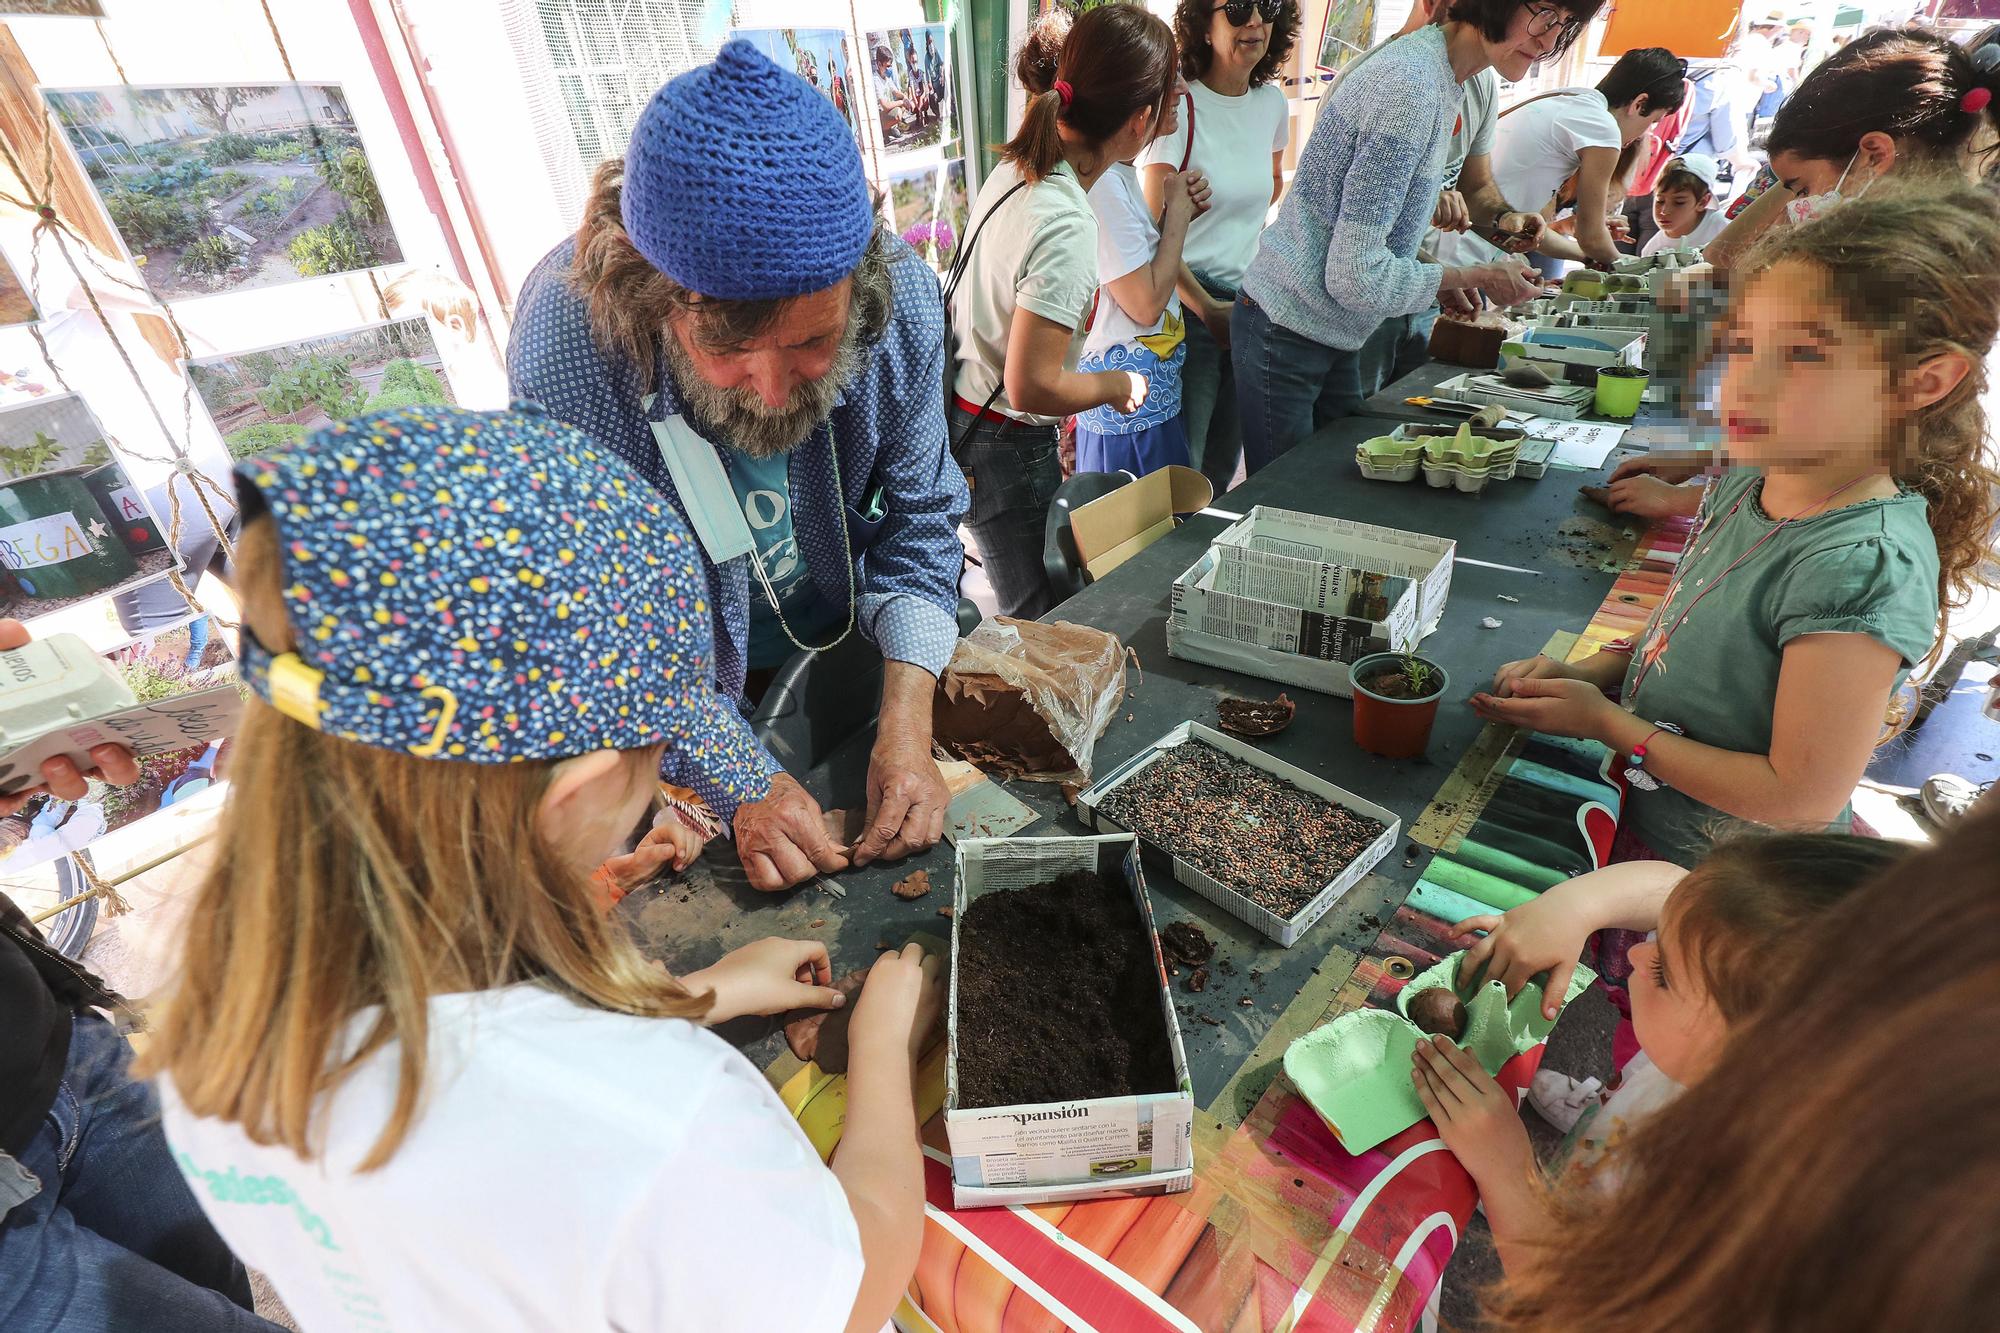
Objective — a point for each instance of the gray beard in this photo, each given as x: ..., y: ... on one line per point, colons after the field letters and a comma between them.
x: 741, y: 419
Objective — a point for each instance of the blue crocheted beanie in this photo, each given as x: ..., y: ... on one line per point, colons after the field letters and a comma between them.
x: 742, y: 183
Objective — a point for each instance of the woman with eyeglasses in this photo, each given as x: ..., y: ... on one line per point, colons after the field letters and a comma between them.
x: 1342, y: 255
x: 1571, y: 148
x: 1233, y: 120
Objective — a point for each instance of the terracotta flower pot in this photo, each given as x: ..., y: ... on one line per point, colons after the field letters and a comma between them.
x: 1391, y: 727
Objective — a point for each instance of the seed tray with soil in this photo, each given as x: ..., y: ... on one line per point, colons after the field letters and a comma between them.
x: 1059, y: 997
x: 1264, y: 840
x: 1066, y: 1078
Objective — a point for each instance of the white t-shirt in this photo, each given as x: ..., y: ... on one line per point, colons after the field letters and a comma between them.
x: 1711, y: 225
x: 1234, y: 138
x: 1127, y: 239
x: 1538, y: 147
x: 569, y: 1169
x: 1039, y: 255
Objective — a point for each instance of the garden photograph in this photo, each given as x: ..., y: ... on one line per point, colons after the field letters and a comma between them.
x: 911, y: 70
x: 16, y: 306
x: 72, y: 525
x: 278, y: 394
x: 820, y: 56
x: 931, y: 217
x: 230, y: 187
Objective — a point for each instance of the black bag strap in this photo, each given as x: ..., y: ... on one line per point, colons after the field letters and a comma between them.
x: 951, y: 288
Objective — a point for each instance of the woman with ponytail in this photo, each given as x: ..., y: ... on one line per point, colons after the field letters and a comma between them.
x: 1021, y: 293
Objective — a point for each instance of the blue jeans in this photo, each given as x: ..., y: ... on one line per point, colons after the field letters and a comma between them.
x: 1012, y: 471
x: 1287, y: 385
x: 1400, y: 346
x: 114, y: 1240
x: 1208, y: 401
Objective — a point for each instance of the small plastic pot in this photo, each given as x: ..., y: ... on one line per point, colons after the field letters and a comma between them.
x: 54, y: 538
x: 1393, y: 728
x: 1620, y: 389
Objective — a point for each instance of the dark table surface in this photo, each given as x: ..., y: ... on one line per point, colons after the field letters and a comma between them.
x: 1534, y: 540
x: 1388, y: 403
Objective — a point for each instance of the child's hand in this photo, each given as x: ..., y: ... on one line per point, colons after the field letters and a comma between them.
x: 1539, y: 667
x: 1553, y: 707
x: 1199, y: 192
x: 1177, y: 201
x: 1646, y: 497
x: 771, y: 976
x: 901, y: 1003
x: 670, y: 843
x: 1545, y: 934
x: 1474, y: 1116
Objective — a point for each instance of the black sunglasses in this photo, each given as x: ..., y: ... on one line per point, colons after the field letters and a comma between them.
x: 1238, y: 11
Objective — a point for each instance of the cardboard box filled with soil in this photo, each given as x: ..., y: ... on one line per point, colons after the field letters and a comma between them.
x: 1266, y: 841
x: 1066, y: 1079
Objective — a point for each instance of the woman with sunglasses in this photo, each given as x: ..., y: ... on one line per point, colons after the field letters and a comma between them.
x: 1233, y: 120
x: 1342, y: 255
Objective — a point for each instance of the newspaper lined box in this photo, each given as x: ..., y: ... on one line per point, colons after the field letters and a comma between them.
x: 1093, y: 1148
x: 1285, y: 930
x: 1295, y: 597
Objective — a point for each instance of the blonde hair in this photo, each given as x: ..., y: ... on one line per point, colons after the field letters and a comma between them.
x: 350, y: 878
x: 1917, y: 263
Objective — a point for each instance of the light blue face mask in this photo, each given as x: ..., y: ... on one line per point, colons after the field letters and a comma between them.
x: 713, y: 510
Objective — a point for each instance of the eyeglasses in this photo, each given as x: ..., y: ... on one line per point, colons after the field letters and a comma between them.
x: 1238, y: 11
x: 1548, y: 18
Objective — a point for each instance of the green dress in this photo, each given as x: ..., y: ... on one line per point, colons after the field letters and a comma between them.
x: 1868, y: 568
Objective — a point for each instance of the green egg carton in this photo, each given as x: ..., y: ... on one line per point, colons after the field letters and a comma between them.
x: 1386, y: 458
x: 1355, y: 1071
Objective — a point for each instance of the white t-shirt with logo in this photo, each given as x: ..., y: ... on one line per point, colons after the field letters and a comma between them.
x: 1039, y: 255
x: 569, y: 1169
x: 1127, y: 240
x: 1234, y: 138
x: 1711, y: 225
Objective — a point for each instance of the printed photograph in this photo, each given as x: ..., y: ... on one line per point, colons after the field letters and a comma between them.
x: 928, y: 208
x: 1349, y: 25
x: 910, y: 71
x: 73, y: 527
x: 278, y: 394
x: 16, y: 306
x: 69, y: 9
x: 820, y: 56
x: 230, y: 187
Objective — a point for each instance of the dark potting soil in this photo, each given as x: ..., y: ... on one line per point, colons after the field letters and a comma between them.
x: 1394, y: 684
x: 1058, y: 996
x: 1271, y: 842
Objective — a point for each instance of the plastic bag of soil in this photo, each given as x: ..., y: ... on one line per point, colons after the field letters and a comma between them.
x: 1027, y: 699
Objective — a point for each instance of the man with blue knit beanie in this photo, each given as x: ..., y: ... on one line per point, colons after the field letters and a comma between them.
x: 734, y: 321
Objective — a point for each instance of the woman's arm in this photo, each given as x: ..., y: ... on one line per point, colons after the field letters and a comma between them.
x: 1833, y: 693
x: 1277, y: 174
x: 1039, y: 380
x: 1593, y: 196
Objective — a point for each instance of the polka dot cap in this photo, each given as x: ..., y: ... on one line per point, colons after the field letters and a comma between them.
x: 487, y: 587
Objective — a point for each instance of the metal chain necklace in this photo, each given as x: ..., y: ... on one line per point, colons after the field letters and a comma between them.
x: 846, y: 550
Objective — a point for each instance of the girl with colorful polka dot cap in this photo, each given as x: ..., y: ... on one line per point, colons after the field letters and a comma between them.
x: 412, y: 1071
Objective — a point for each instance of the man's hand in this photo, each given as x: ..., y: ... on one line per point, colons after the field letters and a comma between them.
x: 1451, y: 213
x: 782, y: 839
x: 61, y: 777
x: 1459, y: 304
x: 1523, y: 231
x: 906, y: 797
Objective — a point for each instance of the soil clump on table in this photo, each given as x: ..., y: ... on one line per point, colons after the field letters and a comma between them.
x: 1185, y: 942
x: 1273, y: 843
x: 1058, y: 996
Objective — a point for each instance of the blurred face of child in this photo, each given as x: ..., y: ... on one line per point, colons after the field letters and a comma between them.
x: 1802, y: 385
x: 1677, y: 211
x: 1676, y: 1022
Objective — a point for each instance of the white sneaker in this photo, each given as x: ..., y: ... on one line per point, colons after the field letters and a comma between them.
x: 1948, y: 796
x: 1562, y: 1100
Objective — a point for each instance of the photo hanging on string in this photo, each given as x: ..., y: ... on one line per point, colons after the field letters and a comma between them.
x: 910, y: 78
x: 928, y: 207
x: 278, y: 394
x: 1348, y: 28
x: 66, y: 9
x: 823, y: 57
x: 73, y: 527
x: 16, y: 305
x: 230, y: 187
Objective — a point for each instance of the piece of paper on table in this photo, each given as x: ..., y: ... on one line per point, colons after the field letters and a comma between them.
x: 1579, y: 444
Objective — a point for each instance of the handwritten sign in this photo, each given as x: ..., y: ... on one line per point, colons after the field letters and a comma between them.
x: 40, y: 542
x: 161, y: 727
